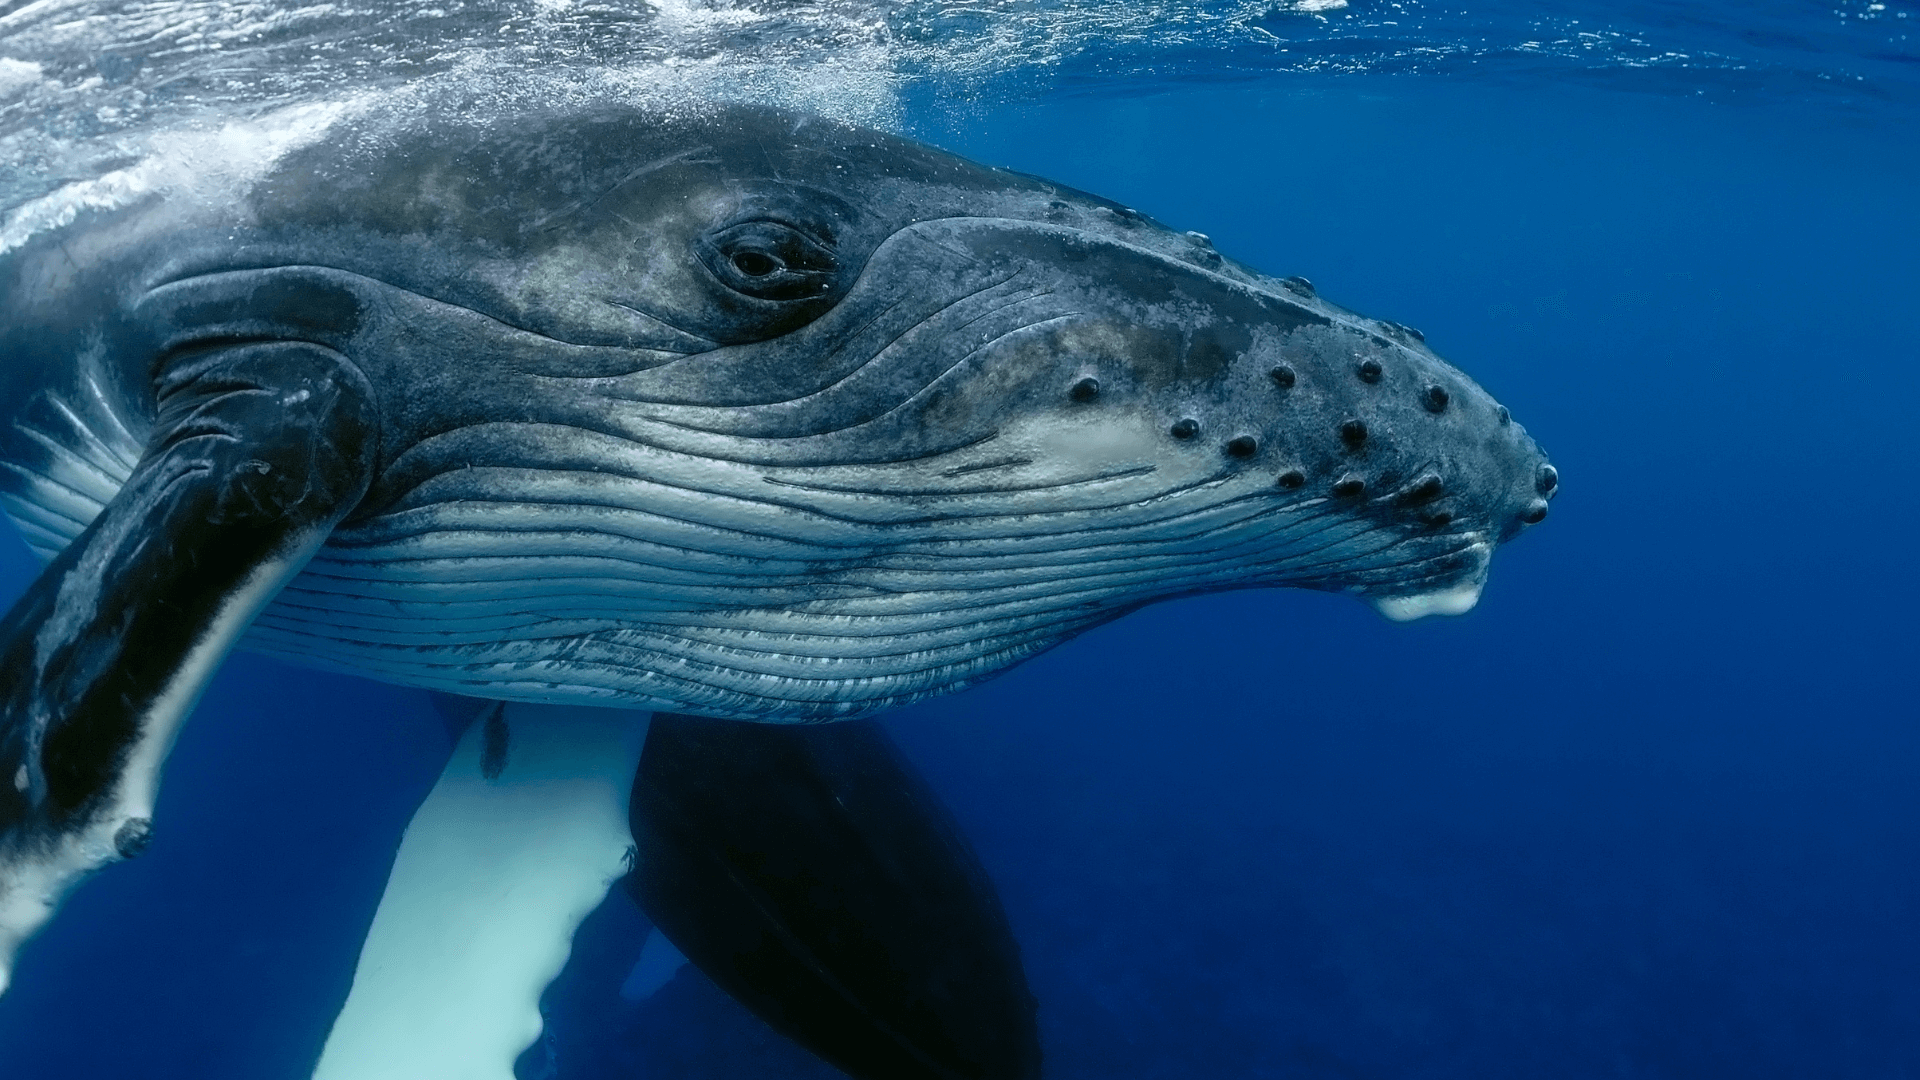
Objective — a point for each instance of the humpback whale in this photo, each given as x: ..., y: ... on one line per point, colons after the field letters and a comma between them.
x: 599, y: 410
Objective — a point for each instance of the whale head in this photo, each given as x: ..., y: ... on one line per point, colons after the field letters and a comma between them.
x: 892, y: 421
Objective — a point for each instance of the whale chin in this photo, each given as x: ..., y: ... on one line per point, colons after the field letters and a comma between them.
x: 1453, y: 600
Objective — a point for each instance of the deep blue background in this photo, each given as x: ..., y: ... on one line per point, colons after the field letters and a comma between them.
x: 1649, y: 811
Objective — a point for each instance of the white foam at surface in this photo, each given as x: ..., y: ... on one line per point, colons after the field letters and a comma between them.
x: 17, y: 75
x: 220, y: 162
x: 491, y: 880
x: 113, y: 72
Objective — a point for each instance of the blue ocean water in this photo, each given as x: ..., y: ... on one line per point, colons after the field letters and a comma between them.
x: 1649, y: 811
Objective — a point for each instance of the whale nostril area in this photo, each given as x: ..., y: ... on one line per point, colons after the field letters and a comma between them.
x: 1535, y: 513
x: 1548, y: 480
x: 1351, y: 487
x: 1292, y: 479
x: 1085, y: 390
x: 1242, y: 446
x: 1435, y: 398
x: 1354, y: 434
x: 1371, y: 371
x: 1283, y: 377
x: 1185, y: 429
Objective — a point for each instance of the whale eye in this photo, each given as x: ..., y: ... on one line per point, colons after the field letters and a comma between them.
x: 755, y: 263
x: 769, y: 260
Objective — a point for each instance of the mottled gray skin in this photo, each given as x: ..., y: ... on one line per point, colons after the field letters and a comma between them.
x: 732, y: 412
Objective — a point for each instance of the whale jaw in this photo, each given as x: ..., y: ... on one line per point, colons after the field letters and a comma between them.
x: 1455, y: 600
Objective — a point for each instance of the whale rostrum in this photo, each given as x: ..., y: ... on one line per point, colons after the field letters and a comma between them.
x: 721, y: 412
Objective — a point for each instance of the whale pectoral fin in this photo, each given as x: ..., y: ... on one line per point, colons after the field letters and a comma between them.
x: 812, y: 874
x: 515, y: 845
x: 258, y: 449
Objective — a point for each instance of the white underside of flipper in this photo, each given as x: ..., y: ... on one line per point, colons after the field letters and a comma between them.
x: 492, y: 878
x: 34, y: 881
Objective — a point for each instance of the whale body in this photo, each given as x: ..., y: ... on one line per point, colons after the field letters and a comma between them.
x: 726, y: 412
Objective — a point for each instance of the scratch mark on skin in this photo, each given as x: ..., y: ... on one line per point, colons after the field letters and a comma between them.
x: 669, y: 324
x: 554, y: 219
x: 962, y: 470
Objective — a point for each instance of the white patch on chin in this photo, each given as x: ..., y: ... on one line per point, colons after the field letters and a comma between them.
x: 1455, y: 601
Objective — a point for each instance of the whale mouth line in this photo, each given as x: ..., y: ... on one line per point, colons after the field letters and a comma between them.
x: 1453, y: 600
